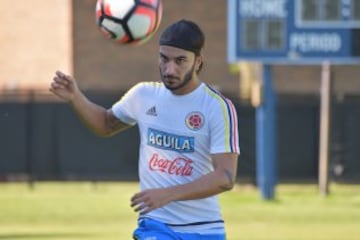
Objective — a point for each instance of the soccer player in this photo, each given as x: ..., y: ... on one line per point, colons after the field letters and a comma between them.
x: 188, y: 140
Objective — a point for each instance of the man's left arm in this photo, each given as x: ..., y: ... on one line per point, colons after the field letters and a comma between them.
x: 220, y: 180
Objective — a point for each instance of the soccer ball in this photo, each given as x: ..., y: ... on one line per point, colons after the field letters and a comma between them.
x: 128, y: 21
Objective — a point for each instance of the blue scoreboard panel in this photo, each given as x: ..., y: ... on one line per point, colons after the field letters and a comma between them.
x: 294, y: 31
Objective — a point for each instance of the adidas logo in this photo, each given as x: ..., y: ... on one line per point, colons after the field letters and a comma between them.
x: 151, y: 111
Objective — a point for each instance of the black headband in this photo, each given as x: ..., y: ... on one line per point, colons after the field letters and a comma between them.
x: 183, y: 34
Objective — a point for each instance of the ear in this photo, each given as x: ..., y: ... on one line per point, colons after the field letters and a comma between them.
x: 198, y: 62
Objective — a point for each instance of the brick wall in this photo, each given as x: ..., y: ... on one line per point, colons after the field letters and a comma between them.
x: 307, y: 79
x: 34, y: 42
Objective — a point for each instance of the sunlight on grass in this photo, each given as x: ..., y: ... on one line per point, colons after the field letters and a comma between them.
x: 298, y: 212
x: 97, y: 211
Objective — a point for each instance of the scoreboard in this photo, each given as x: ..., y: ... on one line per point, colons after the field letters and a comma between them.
x: 294, y: 31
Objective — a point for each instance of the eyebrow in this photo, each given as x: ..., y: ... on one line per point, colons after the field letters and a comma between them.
x: 177, y: 57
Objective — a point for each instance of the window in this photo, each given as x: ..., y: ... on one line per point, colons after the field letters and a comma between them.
x: 275, y: 35
x: 355, y: 6
x: 268, y: 35
x: 309, y: 10
x: 251, y: 34
x: 321, y: 10
x: 332, y: 10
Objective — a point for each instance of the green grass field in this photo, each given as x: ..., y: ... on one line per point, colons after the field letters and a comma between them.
x: 59, y: 211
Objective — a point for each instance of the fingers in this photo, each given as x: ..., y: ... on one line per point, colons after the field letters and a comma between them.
x: 62, y: 75
x: 58, y: 84
x: 60, y: 81
x: 63, y: 86
x: 142, y: 208
x: 137, y: 200
x: 141, y: 203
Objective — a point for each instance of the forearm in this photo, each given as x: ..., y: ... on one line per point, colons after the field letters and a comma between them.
x: 91, y: 114
x: 220, y: 180
x: 208, y: 185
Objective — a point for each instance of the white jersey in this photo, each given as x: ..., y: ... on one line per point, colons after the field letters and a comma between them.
x: 178, y: 134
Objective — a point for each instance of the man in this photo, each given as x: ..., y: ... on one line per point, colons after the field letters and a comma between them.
x: 188, y: 140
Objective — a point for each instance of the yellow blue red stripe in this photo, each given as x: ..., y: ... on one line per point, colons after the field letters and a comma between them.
x: 231, y: 137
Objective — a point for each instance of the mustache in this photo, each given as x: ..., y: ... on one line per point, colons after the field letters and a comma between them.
x: 170, y: 77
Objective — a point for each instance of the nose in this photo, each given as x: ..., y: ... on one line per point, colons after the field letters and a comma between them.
x: 170, y: 68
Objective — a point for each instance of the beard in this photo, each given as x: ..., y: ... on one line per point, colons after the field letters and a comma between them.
x: 187, y: 78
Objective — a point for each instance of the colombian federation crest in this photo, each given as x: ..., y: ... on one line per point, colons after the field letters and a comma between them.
x: 195, y: 120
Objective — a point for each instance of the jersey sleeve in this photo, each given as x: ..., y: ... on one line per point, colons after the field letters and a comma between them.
x: 126, y: 108
x: 224, y: 134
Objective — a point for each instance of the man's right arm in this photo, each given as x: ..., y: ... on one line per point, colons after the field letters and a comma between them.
x: 101, y: 121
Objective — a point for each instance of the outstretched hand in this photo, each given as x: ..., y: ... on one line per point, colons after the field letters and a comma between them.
x: 64, y: 86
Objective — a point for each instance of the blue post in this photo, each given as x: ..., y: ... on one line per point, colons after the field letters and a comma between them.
x: 266, y: 137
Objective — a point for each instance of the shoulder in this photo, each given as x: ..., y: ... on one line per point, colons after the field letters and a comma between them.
x: 221, y: 110
x: 149, y: 85
x: 143, y: 88
x: 216, y: 99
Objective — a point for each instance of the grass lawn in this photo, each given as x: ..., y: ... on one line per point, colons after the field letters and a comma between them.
x: 59, y: 211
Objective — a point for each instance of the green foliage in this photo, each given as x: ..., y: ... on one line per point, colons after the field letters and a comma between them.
x: 59, y: 211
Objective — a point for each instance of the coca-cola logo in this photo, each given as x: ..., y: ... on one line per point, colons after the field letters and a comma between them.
x: 178, y: 166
